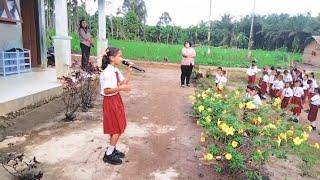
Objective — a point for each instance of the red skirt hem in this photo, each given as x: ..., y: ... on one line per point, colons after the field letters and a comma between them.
x: 297, y: 102
x: 114, y: 118
x: 252, y: 79
x: 285, y: 102
x: 312, y: 115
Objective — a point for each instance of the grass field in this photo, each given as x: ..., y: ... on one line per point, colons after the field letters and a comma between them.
x: 227, y: 57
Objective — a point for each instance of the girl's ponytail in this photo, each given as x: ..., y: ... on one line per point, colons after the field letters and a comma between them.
x: 106, y: 59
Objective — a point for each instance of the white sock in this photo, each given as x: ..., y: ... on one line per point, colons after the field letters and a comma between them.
x: 110, y: 150
x: 314, y: 124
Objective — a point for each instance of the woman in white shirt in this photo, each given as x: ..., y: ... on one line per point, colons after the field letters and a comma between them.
x: 114, y: 120
x: 297, y: 99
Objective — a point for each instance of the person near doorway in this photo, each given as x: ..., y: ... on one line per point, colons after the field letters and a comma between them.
x: 85, y: 43
x: 187, y: 63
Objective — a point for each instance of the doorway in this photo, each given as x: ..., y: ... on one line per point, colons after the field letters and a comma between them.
x: 30, y: 29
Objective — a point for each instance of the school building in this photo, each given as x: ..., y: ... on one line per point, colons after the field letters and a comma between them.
x: 311, y: 54
x: 22, y: 26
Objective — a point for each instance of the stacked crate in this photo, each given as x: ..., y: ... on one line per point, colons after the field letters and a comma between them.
x: 15, y: 62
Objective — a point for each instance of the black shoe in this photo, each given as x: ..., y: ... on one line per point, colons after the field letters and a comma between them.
x: 188, y: 85
x: 119, y: 154
x: 314, y: 128
x: 112, y: 159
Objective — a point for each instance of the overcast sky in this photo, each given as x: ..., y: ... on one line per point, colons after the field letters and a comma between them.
x: 189, y: 12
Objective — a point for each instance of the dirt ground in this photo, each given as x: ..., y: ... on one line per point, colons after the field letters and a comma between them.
x: 160, y: 139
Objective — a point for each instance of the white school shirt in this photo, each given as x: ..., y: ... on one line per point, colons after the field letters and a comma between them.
x: 271, y: 79
x: 288, y: 78
x: 305, y: 85
x: 278, y: 85
x: 222, y: 80
x: 217, y: 78
x: 298, y: 92
x: 265, y: 78
x: 314, y: 83
x: 315, y: 100
x: 287, y: 92
x: 252, y: 71
x: 108, y: 79
x: 257, y: 100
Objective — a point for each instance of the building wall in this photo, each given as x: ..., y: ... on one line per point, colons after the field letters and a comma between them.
x: 308, y: 57
x: 10, y: 35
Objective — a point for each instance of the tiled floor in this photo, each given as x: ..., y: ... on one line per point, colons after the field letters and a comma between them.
x: 17, y: 86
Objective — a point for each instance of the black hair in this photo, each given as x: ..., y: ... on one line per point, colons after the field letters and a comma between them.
x: 273, y: 68
x: 312, y: 75
x: 187, y: 42
x: 317, y: 90
x: 110, y: 51
x: 220, y: 67
x: 309, y: 81
x: 80, y: 25
x: 257, y: 89
x: 285, y: 72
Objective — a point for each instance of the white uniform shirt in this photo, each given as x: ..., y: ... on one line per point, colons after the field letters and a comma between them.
x: 278, y: 85
x: 257, y: 100
x: 271, y: 79
x: 108, y: 79
x: 222, y: 80
x: 266, y: 78
x: 252, y: 71
x: 288, y: 78
x: 298, y: 92
x: 287, y: 92
x: 217, y: 78
x: 314, y: 83
x: 315, y: 100
x: 305, y: 85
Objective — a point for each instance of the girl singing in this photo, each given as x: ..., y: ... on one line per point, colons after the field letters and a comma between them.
x: 114, y: 120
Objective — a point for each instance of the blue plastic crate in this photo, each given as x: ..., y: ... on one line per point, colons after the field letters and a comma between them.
x: 15, y: 62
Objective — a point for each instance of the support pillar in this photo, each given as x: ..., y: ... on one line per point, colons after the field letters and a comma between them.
x: 102, y: 43
x: 62, y: 41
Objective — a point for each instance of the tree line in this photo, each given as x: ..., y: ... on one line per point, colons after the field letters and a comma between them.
x: 270, y: 32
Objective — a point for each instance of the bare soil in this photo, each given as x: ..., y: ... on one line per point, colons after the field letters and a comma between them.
x: 159, y: 142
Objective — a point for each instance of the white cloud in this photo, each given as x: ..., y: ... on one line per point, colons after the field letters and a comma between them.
x: 190, y: 12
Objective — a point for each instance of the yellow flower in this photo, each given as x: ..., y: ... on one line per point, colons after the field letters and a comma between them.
x: 208, y: 119
x: 209, y: 110
x: 309, y: 128
x: 198, y: 122
x: 278, y: 141
x: 198, y: 95
x: 208, y: 157
x: 202, y: 139
x: 192, y: 97
x: 208, y: 90
x: 234, y: 144
x: 316, y: 145
x: 228, y: 156
x: 219, y: 123
x: 305, y: 136
x: 259, y: 151
x: 229, y: 131
x: 271, y: 126
x: 290, y: 133
x: 224, y: 112
x: 240, y: 131
x: 241, y: 105
x: 204, y: 95
x: 250, y: 105
x: 200, y: 108
x: 277, y: 101
x: 297, y: 141
x: 283, y: 136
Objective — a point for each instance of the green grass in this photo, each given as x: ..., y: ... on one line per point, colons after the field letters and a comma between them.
x: 227, y: 57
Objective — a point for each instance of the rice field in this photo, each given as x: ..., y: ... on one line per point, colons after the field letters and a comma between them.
x: 220, y: 56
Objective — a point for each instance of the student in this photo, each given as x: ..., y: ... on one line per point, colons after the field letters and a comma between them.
x: 313, y: 78
x: 272, y: 78
x: 297, y: 99
x: 114, y: 120
x: 286, y: 96
x: 287, y: 77
x: 255, y: 94
x: 252, y: 72
x: 264, y: 82
x: 305, y: 87
x: 218, y: 75
x: 277, y: 86
x: 311, y: 88
x: 222, y: 81
x: 314, y: 106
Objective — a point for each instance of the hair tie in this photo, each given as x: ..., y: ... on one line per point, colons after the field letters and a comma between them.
x: 107, y: 50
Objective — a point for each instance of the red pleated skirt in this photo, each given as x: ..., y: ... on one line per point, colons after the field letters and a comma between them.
x: 312, y: 115
x: 311, y: 95
x: 275, y: 93
x: 306, y: 95
x: 114, y: 118
x: 297, y: 102
x: 285, y: 102
x: 252, y: 79
x: 264, y: 87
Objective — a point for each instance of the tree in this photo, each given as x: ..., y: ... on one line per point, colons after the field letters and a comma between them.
x: 164, y: 19
x: 137, y: 6
x: 132, y: 25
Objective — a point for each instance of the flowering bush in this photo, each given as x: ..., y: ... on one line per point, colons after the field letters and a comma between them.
x: 240, y: 137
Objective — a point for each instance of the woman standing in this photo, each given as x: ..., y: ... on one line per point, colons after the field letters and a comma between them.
x: 85, y: 43
x: 187, y: 63
x: 114, y: 119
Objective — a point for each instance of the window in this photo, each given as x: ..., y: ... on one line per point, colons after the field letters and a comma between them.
x: 9, y: 11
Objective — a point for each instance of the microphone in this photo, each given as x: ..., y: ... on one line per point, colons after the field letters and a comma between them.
x: 128, y: 63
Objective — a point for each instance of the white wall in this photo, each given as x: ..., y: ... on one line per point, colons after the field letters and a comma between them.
x: 10, y: 36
